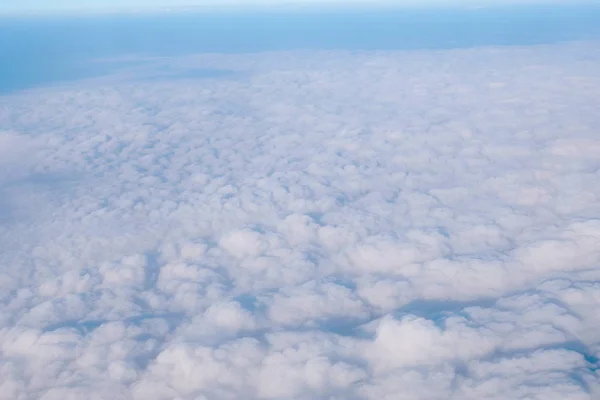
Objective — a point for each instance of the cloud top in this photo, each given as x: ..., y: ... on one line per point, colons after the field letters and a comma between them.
x: 322, y: 225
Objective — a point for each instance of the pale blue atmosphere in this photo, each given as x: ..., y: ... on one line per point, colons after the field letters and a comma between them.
x: 44, y: 49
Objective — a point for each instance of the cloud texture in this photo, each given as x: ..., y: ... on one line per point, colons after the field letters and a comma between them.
x: 314, y: 225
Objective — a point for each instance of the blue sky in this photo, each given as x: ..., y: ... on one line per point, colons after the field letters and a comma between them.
x: 58, y: 6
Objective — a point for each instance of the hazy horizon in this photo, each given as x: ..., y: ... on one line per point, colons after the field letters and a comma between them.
x: 41, y: 7
x: 58, y: 48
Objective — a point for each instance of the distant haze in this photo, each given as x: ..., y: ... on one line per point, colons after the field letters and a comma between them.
x: 87, y: 6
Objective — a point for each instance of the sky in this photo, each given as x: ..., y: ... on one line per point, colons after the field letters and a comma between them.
x: 61, y: 6
x: 319, y: 206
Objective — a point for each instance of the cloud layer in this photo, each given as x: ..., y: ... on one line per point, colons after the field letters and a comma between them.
x: 315, y: 225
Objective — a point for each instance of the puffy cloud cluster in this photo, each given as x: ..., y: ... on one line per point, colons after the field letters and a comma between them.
x: 314, y: 225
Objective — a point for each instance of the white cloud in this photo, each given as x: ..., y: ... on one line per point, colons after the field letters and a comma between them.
x: 328, y: 225
x: 242, y: 244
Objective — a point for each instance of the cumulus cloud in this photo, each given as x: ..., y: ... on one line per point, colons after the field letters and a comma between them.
x: 327, y: 225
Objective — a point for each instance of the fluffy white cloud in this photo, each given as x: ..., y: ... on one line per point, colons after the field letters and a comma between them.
x: 323, y: 225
